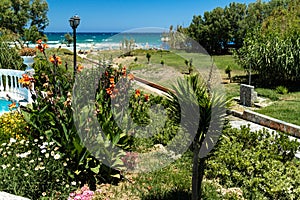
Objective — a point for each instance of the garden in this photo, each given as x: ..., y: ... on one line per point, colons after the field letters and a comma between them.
x: 46, y: 146
x: 94, y: 133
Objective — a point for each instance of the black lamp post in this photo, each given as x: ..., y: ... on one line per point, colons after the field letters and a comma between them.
x: 74, y: 22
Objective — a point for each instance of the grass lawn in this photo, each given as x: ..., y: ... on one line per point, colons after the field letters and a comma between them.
x: 287, y: 108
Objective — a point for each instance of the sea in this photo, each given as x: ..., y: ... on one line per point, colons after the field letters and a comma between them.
x: 107, y: 40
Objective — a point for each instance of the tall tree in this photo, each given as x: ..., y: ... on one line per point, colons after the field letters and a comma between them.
x: 17, y: 15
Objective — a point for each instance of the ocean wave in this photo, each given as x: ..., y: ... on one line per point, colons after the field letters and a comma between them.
x: 53, y: 42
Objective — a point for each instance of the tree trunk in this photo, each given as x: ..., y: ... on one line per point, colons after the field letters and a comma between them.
x: 201, y: 167
x: 195, y: 177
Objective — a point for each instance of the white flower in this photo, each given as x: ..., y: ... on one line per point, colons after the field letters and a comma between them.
x: 47, y: 155
x: 8, y: 165
x: 22, y: 142
x: 56, y: 156
x: 35, y: 140
x: 52, y: 153
x: 43, y: 151
x: 44, y: 194
x: 57, y: 180
x: 67, y: 186
x: 56, y: 148
x: 17, y: 165
x: 3, y: 166
x: 12, y: 140
x: 45, y: 143
x: 26, y: 174
x: 37, y: 168
x: 51, y: 143
x: 12, y: 168
x: 3, y: 144
x: 73, y: 183
x: 39, y: 159
x: 65, y: 164
x: 41, y: 137
x: 31, y: 161
x: 42, y: 167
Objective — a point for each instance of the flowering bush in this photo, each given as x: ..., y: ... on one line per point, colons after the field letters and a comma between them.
x: 34, y: 168
x: 12, y: 124
x: 26, y: 51
x: 83, y: 193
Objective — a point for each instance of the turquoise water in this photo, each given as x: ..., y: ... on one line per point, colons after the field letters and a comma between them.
x: 151, y: 40
x: 4, y: 106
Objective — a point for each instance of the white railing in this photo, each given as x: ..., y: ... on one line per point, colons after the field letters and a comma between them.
x: 9, y: 85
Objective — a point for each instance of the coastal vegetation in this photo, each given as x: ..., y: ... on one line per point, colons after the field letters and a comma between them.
x: 49, y: 149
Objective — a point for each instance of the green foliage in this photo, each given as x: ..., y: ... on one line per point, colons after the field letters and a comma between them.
x: 68, y: 38
x: 148, y: 56
x: 34, y: 168
x: 216, y: 28
x: 9, y: 56
x: 273, y: 50
x: 51, y: 117
x: 282, y: 90
x: 15, y: 15
x: 262, y: 164
x: 12, y: 125
x: 32, y: 34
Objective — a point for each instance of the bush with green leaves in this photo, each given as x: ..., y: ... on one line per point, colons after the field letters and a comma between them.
x: 261, y: 163
x: 281, y: 90
x: 12, y: 125
x: 273, y: 50
x: 35, y: 168
x: 9, y: 56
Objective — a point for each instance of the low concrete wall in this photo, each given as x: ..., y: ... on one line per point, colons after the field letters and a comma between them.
x: 269, y: 122
x: 7, y: 196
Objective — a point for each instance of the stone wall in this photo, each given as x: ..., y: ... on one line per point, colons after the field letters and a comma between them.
x: 247, y: 95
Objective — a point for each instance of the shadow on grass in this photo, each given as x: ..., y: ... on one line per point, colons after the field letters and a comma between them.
x: 261, y: 82
x: 171, y: 195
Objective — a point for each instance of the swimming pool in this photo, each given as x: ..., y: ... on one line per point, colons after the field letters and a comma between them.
x: 4, y: 106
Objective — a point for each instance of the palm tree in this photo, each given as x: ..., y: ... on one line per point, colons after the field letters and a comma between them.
x: 200, y: 113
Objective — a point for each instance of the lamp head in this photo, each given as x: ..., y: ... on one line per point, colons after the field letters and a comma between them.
x: 74, y: 21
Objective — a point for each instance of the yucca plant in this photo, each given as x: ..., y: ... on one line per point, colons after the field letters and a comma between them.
x: 200, y: 112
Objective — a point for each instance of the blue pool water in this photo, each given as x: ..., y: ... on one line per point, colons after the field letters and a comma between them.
x: 4, y: 105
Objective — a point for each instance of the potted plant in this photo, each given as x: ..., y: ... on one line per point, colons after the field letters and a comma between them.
x: 28, y: 54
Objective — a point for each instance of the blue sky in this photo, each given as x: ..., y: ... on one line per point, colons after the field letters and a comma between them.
x: 121, y: 15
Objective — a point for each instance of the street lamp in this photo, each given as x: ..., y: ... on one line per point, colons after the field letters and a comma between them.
x: 74, y: 22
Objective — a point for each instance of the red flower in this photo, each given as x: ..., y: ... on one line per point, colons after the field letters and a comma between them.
x: 41, y: 46
x: 146, y: 96
x: 112, y: 80
x: 80, y: 68
x: 55, y: 59
x: 137, y: 93
x: 108, y: 91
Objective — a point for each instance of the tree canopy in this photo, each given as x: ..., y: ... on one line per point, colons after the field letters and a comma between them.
x: 24, y: 17
x: 224, y: 28
x: 273, y: 50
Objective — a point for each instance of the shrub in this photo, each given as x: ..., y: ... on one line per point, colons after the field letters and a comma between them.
x: 34, y: 168
x: 282, y: 90
x: 12, y: 124
x: 262, y: 164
